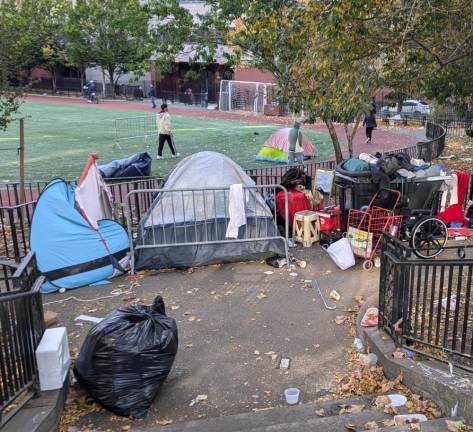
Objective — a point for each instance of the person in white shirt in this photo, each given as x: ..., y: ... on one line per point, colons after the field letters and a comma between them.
x: 165, y: 132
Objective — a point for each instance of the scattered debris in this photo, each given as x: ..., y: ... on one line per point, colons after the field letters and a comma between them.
x: 198, y: 399
x: 262, y: 294
x: 340, y: 319
x: 50, y: 318
x: 334, y: 295
x: 370, y: 318
x: 293, y: 274
x: 320, y: 412
x: 164, y: 422
x: 371, y: 425
x: 398, y: 354
x: 351, y: 409
x: 284, y: 363
x: 323, y: 298
x: 175, y: 307
x: 88, y: 318
x: 268, y: 272
x: 359, y: 299
x: 350, y: 427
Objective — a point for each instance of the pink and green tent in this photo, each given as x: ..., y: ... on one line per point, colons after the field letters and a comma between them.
x: 276, y: 147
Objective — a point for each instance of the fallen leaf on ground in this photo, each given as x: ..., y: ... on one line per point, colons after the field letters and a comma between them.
x: 125, y: 428
x: 359, y: 299
x: 164, y: 422
x: 352, y: 409
x: 350, y: 427
x: 414, y: 427
x: 262, y: 295
x: 389, y: 409
x: 340, y: 319
x: 389, y: 422
x: 213, y: 292
x: 256, y: 352
x: 399, y: 354
x: 320, y: 412
x: 188, y: 345
x: 92, y: 310
x: 187, y: 313
x: 175, y: 307
x: 191, y: 318
x: 456, y: 426
x: 382, y: 401
x: 371, y: 425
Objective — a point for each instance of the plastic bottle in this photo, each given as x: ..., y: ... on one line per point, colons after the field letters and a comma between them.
x: 358, y: 344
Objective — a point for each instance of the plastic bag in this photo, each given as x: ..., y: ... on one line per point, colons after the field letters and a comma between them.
x: 341, y: 253
x: 127, y: 356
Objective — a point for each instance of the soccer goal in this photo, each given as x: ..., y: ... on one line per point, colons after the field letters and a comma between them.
x: 144, y: 127
x: 245, y: 95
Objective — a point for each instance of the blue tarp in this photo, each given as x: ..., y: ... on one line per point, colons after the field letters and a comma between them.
x: 69, y: 253
x: 138, y: 165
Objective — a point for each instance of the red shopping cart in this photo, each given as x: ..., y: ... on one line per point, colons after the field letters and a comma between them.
x: 366, y: 227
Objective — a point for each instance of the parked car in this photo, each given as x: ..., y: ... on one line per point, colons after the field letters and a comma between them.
x: 414, y: 108
x: 411, y: 108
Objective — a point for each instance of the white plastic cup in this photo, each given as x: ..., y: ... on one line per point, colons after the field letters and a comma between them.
x: 292, y: 395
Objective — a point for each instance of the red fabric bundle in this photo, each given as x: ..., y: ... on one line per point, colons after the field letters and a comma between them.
x: 296, y: 201
x: 454, y: 213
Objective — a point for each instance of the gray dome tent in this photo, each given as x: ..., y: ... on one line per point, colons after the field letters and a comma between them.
x: 178, y: 218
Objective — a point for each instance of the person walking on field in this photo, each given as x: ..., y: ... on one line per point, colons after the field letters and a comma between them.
x: 152, y: 96
x: 370, y: 123
x: 165, y: 132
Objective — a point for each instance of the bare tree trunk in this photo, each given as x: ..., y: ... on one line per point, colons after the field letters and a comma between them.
x: 111, y: 77
x: 351, y: 136
x: 335, y: 141
x: 53, y: 73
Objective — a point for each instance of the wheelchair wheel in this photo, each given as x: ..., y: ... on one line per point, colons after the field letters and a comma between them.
x: 429, y: 237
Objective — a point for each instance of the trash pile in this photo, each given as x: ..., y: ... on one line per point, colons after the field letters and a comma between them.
x: 127, y: 356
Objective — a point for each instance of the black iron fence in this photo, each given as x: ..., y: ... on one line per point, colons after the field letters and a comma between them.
x: 434, y: 147
x: 426, y: 305
x: 21, y: 329
x: 14, y: 230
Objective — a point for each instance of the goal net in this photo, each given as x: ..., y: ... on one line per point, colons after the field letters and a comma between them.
x: 246, y: 96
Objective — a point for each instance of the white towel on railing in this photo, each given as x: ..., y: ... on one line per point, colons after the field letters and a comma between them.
x: 236, y: 210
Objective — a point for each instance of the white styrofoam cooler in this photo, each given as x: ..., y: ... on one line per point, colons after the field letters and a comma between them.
x: 52, y: 356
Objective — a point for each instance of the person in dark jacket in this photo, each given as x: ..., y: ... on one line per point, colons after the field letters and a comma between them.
x: 370, y: 123
x: 152, y: 95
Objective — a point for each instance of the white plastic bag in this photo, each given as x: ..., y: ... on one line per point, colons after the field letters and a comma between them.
x: 341, y: 253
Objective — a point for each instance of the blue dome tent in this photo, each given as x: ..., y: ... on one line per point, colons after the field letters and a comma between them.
x: 70, y: 253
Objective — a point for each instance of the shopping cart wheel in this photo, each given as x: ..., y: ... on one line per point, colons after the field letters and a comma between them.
x: 429, y: 236
x: 368, y: 264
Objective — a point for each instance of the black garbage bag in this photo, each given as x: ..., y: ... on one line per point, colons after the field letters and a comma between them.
x: 127, y: 356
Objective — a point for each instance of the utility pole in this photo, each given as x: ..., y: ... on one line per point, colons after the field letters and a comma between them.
x: 21, y: 154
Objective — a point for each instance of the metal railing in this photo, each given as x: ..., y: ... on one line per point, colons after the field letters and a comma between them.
x: 128, y: 128
x: 199, y: 216
x: 15, y: 222
x: 21, y: 329
x: 433, y: 148
x: 426, y: 305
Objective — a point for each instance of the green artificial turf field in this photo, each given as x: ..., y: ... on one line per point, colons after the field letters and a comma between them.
x: 60, y: 137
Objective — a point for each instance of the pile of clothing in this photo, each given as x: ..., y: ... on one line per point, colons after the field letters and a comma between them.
x: 385, y: 168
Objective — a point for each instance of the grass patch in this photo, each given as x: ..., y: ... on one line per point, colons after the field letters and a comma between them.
x: 60, y: 137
